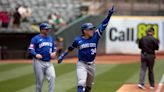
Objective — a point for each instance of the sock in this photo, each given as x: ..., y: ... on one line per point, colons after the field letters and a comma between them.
x: 80, y: 89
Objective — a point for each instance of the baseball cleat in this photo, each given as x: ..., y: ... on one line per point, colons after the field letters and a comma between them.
x: 141, y: 86
x: 151, y: 88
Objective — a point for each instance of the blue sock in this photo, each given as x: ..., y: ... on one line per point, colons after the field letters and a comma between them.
x: 80, y: 89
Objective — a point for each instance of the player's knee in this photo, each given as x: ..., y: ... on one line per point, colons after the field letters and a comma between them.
x: 52, y: 75
x: 82, y: 83
x: 51, y: 78
x: 39, y: 80
x: 39, y: 83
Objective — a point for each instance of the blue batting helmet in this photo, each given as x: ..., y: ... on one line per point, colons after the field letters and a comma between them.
x: 44, y: 25
x: 88, y: 26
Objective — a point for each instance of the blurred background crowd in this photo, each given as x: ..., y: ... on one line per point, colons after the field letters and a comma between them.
x: 24, y: 15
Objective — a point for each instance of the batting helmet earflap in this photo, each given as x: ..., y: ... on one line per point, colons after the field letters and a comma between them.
x: 86, y: 26
x: 44, y: 25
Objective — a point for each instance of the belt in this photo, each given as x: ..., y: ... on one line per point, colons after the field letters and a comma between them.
x: 147, y: 53
x: 43, y: 60
x: 87, y: 63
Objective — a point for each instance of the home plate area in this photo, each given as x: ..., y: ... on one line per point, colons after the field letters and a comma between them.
x: 134, y: 88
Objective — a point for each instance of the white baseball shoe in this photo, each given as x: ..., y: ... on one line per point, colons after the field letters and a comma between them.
x: 141, y: 86
x: 151, y: 88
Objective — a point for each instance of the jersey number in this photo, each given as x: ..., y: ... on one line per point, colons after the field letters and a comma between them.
x: 93, y: 51
x: 50, y: 51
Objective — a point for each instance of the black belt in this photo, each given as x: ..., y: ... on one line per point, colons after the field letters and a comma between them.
x: 43, y: 60
x: 88, y: 63
x: 148, y: 53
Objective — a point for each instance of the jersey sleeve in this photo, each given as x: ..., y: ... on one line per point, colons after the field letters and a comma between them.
x: 104, y: 24
x: 156, y: 44
x: 98, y: 32
x: 140, y: 43
x: 32, y: 47
x: 73, y: 45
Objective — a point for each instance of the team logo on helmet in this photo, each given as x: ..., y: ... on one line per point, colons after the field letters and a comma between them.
x: 86, y: 26
x: 44, y: 25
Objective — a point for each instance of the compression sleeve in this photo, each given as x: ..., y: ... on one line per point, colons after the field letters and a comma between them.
x: 74, y: 45
x: 104, y: 23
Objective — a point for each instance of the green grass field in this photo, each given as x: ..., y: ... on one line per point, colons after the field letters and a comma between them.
x: 19, y: 77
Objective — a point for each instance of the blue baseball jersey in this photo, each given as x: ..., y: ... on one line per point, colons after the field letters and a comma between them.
x: 86, y: 47
x: 42, y: 45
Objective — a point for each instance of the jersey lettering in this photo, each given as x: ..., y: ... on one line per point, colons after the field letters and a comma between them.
x: 50, y: 50
x: 87, y: 45
x: 45, y: 44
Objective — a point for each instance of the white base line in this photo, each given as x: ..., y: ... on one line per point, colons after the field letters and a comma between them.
x: 160, y: 84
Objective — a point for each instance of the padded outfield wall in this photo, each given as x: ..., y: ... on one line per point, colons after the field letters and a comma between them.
x: 122, y: 33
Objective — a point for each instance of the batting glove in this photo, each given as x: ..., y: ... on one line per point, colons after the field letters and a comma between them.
x: 112, y: 10
x: 60, y: 59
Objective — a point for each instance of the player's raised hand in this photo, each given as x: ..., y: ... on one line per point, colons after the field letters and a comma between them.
x: 60, y: 58
x: 112, y: 10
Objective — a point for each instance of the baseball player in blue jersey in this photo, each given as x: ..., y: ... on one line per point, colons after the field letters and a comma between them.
x: 43, y: 49
x: 87, y: 45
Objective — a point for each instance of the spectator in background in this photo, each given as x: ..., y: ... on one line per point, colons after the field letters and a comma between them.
x: 56, y: 21
x: 17, y: 17
x: 59, y: 45
x: 21, y: 13
x: 25, y: 12
x: 4, y: 18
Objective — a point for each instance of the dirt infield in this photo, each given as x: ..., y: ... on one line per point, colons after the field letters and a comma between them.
x: 102, y: 59
x: 134, y: 88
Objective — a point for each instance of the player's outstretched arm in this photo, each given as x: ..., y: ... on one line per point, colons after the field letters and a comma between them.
x: 106, y: 20
x: 68, y: 50
x: 61, y: 57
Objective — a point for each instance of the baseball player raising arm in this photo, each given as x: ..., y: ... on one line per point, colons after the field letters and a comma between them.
x: 43, y: 49
x: 87, y: 45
